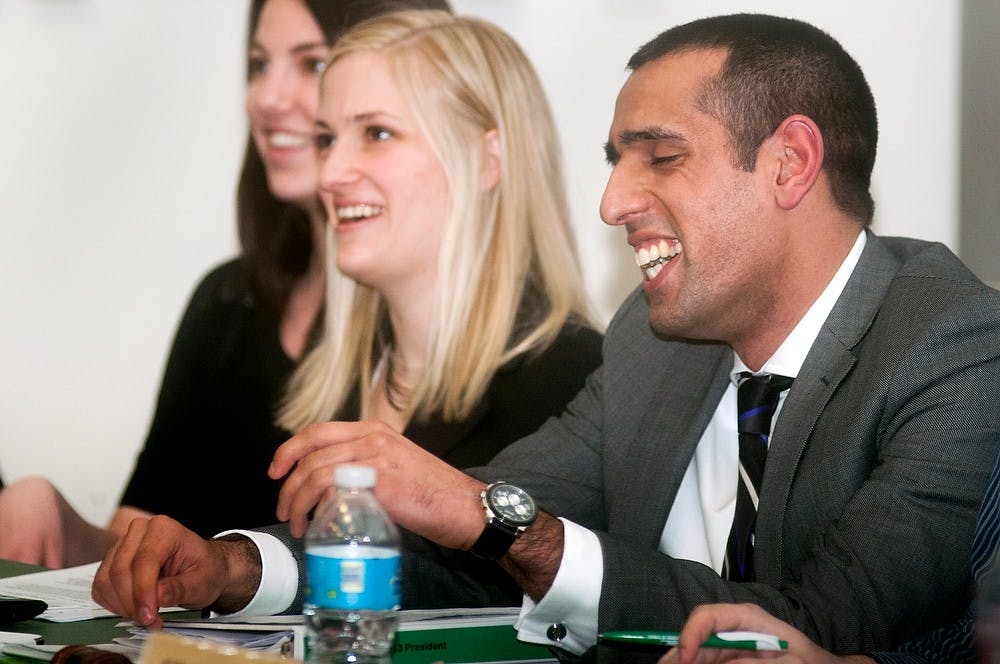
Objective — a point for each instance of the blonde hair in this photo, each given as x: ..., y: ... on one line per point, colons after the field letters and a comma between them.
x: 506, y: 252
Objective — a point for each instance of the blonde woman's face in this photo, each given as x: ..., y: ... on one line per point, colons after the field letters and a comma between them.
x: 381, y: 183
x: 286, y: 58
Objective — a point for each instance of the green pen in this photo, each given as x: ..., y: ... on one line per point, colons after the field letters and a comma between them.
x: 733, y: 640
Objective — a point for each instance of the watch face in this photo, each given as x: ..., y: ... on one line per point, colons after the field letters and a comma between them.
x: 511, y: 504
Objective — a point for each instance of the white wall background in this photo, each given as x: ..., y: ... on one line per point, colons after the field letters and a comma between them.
x: 121, y: 130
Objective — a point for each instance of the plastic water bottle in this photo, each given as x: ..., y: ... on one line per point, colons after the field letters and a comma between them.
x: 352, y: 565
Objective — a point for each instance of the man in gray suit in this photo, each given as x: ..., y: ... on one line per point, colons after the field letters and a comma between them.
x: 742, y: 150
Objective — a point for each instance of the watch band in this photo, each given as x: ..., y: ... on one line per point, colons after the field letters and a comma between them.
x: 495, y: 541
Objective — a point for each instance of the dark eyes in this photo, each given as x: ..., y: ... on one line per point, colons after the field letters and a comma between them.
x: 310, y: 65
x: 256, y: 66
x: 323, y: 141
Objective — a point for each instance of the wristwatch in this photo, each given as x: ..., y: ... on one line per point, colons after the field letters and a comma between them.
x: 509, y: 512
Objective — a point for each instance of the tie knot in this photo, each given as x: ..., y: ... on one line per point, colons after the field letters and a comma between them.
x: 757, y: 399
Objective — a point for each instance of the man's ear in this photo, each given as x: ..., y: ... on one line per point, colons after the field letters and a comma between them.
x: 492, y: 161
x: 800, y: 159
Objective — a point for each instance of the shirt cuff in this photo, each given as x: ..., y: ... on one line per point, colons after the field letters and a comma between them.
x: 279, y: 576
x: 566, y: 617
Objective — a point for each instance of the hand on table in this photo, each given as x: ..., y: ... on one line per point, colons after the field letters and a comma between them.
x: 419, y: 491
x: 709, y: 619
x: 159, y: 563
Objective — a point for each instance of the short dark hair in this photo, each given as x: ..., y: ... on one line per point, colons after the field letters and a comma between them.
x: 276, y: 237
x: 777, y: 67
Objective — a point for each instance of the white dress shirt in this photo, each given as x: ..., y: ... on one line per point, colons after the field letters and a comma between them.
x: 697, y: 526
x: 279, y: 576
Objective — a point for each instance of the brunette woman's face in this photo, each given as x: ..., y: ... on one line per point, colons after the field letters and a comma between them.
x: 286, y: 57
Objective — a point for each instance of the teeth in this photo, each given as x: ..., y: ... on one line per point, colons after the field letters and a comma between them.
x: 362, y: 211
x: 651, y: 259
x: 281, y: 139
x: 642, y: 256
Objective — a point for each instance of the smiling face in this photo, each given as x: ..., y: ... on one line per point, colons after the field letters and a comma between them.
x: 380, y: 181
x: 285, y: 60
x: 701, y: 227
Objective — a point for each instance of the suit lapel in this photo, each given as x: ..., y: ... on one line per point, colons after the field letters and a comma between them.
x: 828, y: 363
x: 674, y: 420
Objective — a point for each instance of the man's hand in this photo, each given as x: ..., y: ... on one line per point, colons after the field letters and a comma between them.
x: 708, y: 619
x: 419, y: 491
x: 159, y: 563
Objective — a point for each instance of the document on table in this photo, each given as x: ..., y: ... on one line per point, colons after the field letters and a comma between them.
x: 66, y: 591
x: 459, y: 635
x: 18, y: 637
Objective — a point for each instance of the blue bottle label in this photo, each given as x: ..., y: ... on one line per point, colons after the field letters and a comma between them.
x: 353, y: 578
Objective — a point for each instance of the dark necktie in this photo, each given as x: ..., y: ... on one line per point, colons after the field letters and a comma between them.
x: 756, y: 401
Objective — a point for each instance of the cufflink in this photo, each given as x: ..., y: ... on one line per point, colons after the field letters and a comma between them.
x: 556, y: 632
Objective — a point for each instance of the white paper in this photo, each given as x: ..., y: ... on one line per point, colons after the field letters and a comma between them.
x: 66, y: 591
x: 276, y: 633
x: 18, y: 637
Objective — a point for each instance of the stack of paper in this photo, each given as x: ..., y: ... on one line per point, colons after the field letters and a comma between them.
x: 456, y: 636
x: 165, y: 648
x: 66, y: 591
x: 280, y: 635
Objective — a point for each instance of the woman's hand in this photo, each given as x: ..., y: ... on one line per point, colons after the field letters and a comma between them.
x: 38, y: 526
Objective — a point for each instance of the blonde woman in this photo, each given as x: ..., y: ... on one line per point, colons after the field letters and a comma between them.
x: 454, y: 312
x: 454, y: 309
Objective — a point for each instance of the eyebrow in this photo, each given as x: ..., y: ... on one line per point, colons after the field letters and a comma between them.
x: 632, y: 136
x: 359, y: 118
x: 368, y: 116
x: 298, y: 48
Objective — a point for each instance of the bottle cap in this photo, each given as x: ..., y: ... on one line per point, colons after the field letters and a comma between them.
x: 354, y: 477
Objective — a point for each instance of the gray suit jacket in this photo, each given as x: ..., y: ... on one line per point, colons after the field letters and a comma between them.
x: 876, y: 467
